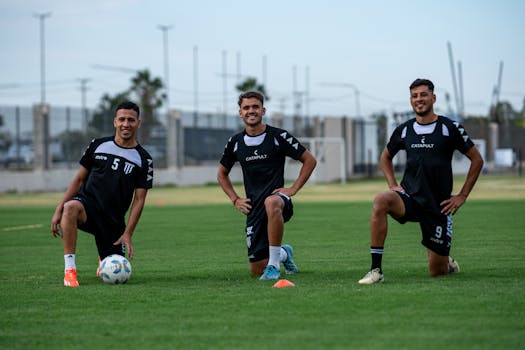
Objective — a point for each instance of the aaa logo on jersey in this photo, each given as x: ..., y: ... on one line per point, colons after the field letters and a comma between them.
x: 290, y: 140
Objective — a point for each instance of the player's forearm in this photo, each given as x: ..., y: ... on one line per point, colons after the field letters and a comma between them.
x: 134, y: 216
x: 387, y: 167
x: 226, y: 184
x: 139, y: 200
x: 309, y: 164
x: 476, y: 164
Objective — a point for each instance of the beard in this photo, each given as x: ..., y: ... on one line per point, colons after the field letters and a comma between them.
x: 422, y: 112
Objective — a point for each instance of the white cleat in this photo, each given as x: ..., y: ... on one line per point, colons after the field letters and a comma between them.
x: 453, y: 266
x: 373, y: 276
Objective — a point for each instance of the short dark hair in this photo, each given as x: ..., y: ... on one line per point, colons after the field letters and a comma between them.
x: 128, y: 105
x: 420, y: 82
x: 251, y: 94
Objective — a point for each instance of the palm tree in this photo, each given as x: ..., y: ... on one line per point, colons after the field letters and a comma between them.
x: 148, y: 91
x: 101, y: 123
x: 250, y: 84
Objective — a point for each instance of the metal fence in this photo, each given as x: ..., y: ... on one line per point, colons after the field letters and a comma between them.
x: 203, y: 135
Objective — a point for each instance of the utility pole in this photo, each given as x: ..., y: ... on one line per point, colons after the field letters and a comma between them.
x: 264, y: 72
x: 41, y: 17
x: 454, y: 81
x: 165, y: 29
x: 195, y: 85
x: 41, y: 117
x: 238, y: 67
x: 307, y: 91
x: 224, y: 87
x: 461, y: 96
x: 356, y: 93
x: 83, y: 90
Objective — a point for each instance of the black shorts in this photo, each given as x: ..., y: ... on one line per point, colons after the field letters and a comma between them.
x: 105, y: 231
x: 257, y: 229
x: 436, y: 228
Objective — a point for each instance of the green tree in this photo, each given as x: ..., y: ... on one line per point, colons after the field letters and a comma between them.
x: 73, y: 144
x: 102, y: 120
x: 5, y: 136
x: 251, y: 84
x: 148, y: 91
x: 502, y: 113
x: 520, y: 117
x: 382, y: 127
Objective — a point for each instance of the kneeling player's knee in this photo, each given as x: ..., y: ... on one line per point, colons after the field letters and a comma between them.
x: 382, y: 203
x: 72, y: 210
x: 273, y: 205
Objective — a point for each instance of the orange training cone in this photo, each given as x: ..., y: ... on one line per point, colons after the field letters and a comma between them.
x: 283, y: 284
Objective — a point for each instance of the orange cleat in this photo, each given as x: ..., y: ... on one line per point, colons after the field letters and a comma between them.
x: 70, y: 278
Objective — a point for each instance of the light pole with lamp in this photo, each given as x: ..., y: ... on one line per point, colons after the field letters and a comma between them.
x: 41, y: 116
x: 165, y: 29
x: 41, y: 17
x: 356, y: 93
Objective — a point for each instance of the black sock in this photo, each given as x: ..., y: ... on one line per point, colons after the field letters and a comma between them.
x: 377, y: 256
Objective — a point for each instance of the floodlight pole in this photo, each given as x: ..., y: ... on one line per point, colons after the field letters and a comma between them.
x: 83, y: 90
x: 41, y: 17
x: 164, y: 29
x: 41, y: 142
x: 356, y: 93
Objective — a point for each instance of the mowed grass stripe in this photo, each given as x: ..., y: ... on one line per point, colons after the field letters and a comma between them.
x: 487, y: 187
x: 190, y: 287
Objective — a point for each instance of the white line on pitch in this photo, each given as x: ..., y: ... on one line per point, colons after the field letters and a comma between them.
x: 16, y: 228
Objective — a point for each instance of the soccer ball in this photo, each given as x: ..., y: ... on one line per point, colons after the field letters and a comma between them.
x: 115, y: 269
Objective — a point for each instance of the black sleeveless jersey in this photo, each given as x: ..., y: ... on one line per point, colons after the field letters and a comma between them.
x: 428, y: 171
x: 262, y: 159
x: 114, y: 174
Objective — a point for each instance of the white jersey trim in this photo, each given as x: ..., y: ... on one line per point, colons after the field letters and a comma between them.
x: 424, y: 129
x: 131, y: 154
x: 254, y: 140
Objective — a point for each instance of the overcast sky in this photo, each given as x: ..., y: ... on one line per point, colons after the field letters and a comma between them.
x: 335, y: 47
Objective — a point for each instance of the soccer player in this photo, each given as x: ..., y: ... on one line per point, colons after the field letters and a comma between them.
x: 261, y: 151
x: 115, y: 172
x: 424, y: 194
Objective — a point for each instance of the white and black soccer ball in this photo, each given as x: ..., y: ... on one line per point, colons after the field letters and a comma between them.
x: 115, y: 269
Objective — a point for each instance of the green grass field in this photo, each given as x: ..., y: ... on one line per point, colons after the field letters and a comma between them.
x: 191, y: 289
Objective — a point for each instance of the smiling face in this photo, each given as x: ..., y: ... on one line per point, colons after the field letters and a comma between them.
x: 126, y: 123
x: 251, y: 111
x: 422, y: 100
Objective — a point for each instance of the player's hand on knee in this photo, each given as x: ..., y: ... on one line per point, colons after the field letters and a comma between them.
x: 243, y: 205
x: 55, y: 227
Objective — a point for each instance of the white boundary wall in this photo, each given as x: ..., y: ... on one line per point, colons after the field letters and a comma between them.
x: 59, y: 179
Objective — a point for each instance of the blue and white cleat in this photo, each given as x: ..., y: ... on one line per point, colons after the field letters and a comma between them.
x: 270, y: 273
x: 289, y: 265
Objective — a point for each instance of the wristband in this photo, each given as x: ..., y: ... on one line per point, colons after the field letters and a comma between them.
x: 235, y: 201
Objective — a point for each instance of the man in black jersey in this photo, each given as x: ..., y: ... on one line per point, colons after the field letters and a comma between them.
x: 425, y: 193
x: 115, y: 172
x: 261, y: 151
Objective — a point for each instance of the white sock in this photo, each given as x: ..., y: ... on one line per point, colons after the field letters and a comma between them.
x: 283, y: 254
x: 275, y: 258
x: 69, y: 262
